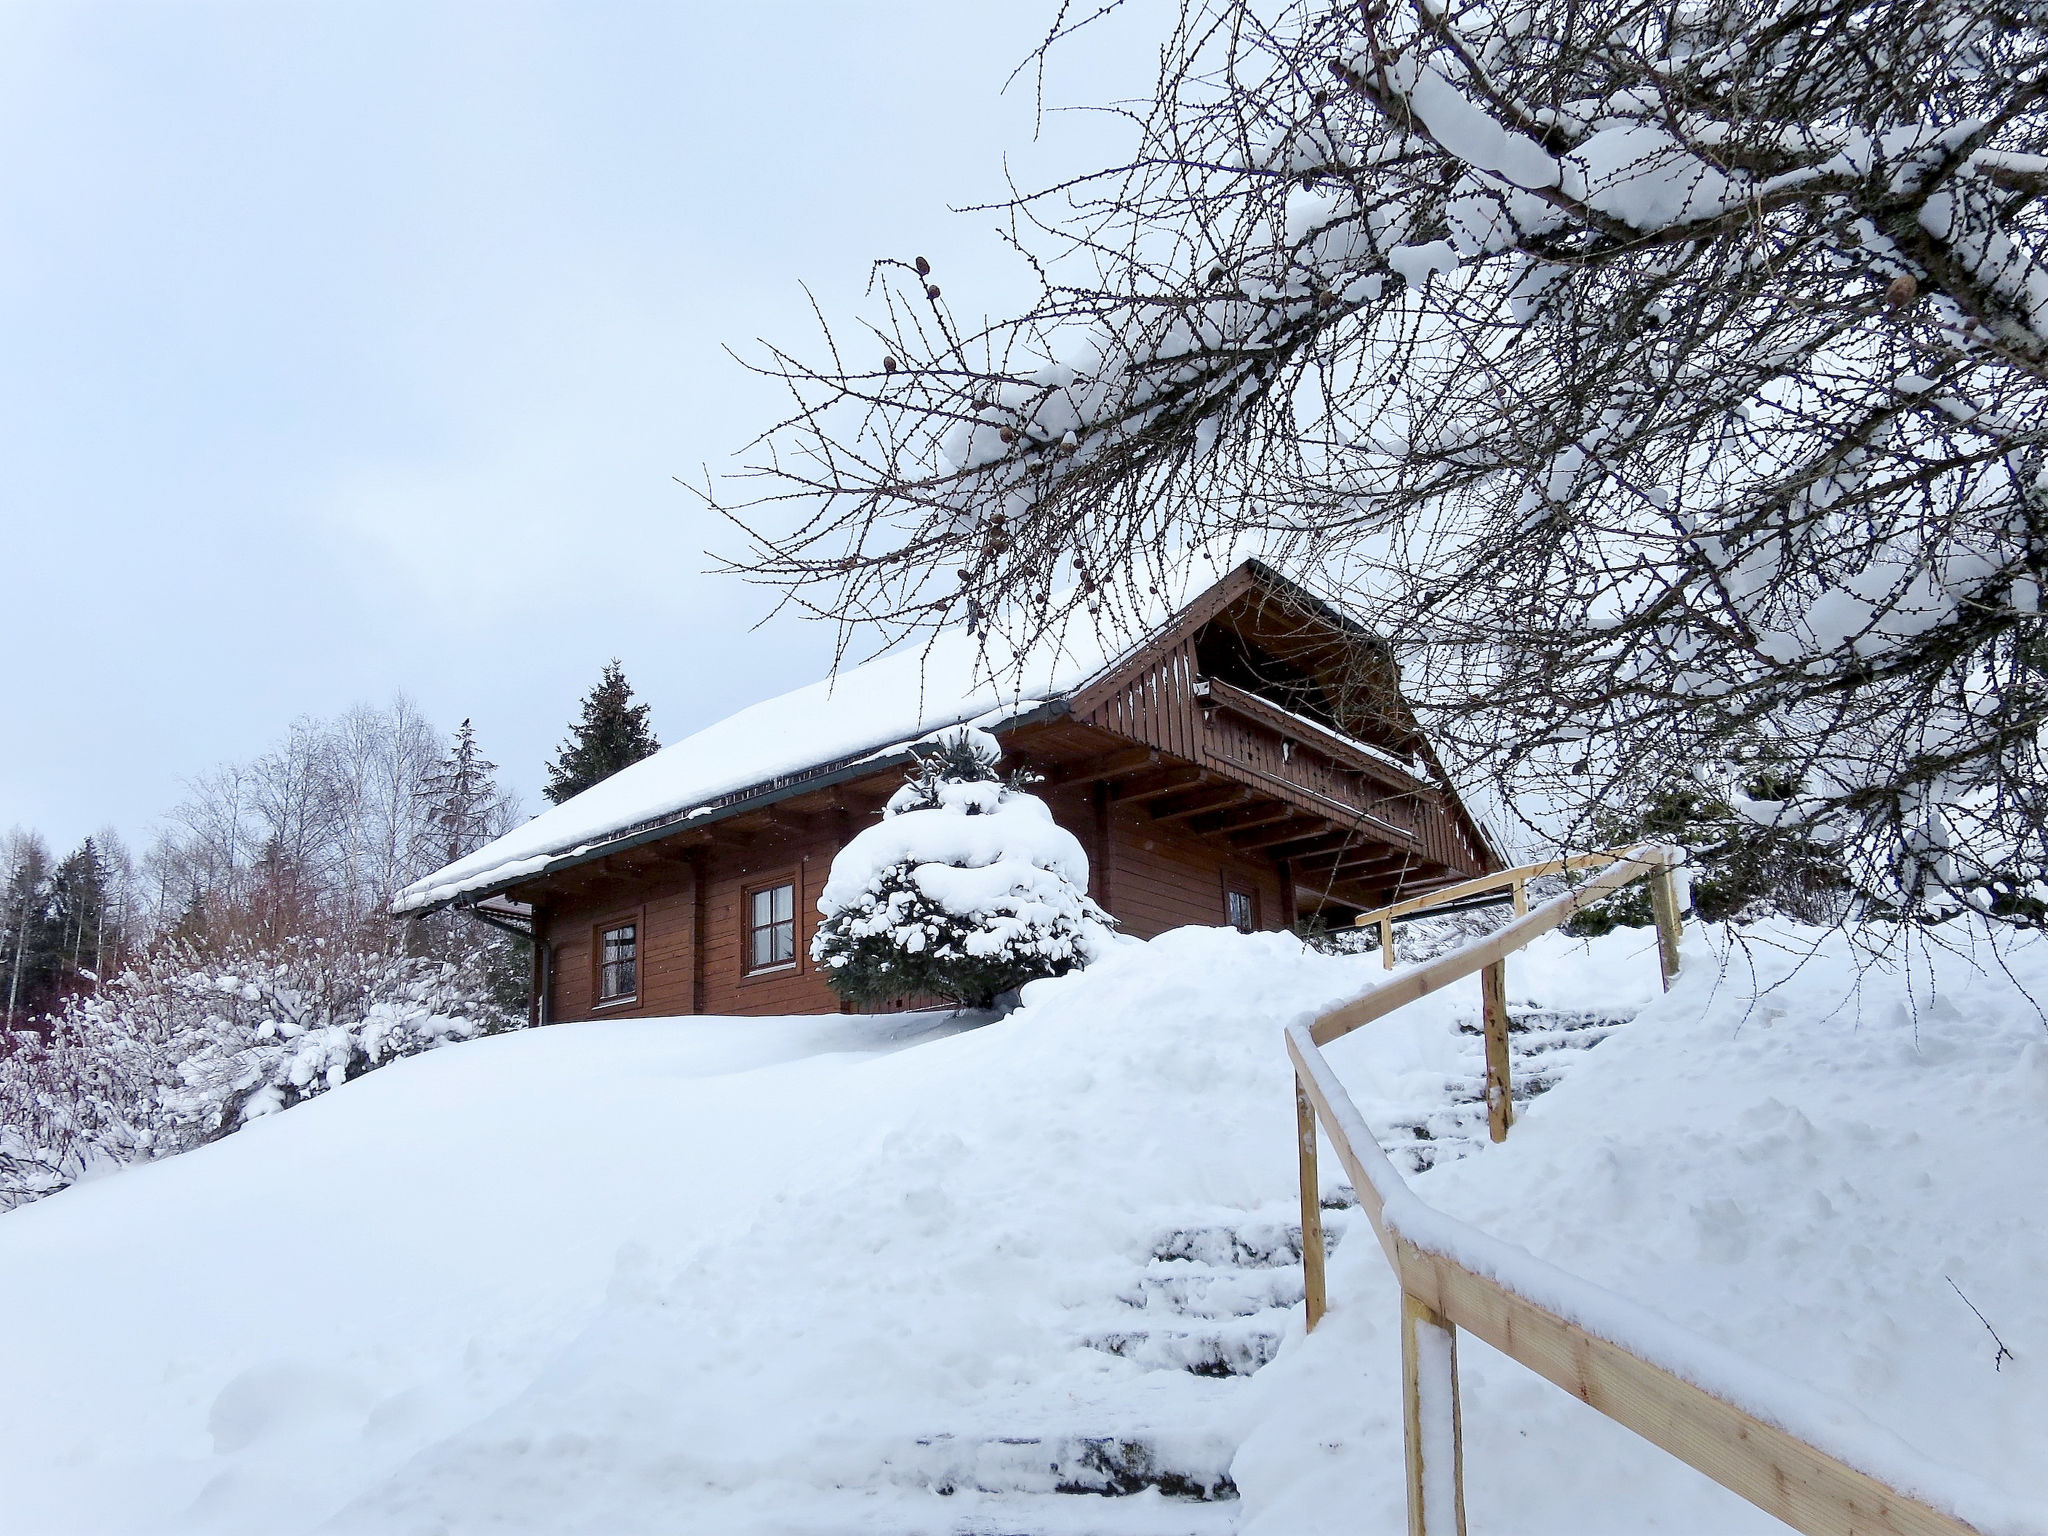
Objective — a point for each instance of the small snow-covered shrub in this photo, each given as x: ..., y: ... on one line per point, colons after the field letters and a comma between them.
x: 966, y: 889
x: 188, y: 1045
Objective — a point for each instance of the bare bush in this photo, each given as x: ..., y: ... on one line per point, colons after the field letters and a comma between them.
x: 190, y: 1044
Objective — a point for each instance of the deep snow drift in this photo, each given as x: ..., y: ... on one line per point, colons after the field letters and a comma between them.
x: 736, y: 1275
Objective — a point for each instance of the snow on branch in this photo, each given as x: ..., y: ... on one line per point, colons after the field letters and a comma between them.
x: 1671, y: 383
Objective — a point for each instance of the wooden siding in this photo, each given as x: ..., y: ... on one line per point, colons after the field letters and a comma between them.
x: 1167, y: 878
x: 1156, y: 705
x: 1151, y: 875
x: 674, y: 977
x: 797, y: 988
x: 1157, y: 876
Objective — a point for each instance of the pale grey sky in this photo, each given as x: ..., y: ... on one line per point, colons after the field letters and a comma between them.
x: 352, y: 347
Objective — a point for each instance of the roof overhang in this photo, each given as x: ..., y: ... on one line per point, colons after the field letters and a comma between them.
x: 760, y: 797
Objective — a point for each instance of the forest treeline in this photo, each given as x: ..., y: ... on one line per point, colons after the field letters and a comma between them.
x: 308, y: 840
x: 246, y: 959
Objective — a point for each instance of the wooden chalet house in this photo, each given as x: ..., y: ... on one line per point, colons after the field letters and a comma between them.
x: 1251, y: 762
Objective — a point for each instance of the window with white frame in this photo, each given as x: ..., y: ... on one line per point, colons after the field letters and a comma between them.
x: 771, y: 927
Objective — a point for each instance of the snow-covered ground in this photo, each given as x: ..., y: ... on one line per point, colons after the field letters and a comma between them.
x: 798, y: 1275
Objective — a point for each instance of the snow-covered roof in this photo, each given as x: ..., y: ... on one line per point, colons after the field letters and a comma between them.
x: 869, y: 711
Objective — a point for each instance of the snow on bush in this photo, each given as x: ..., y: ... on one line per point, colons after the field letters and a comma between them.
x: 967, y: 888
x: 186, y: 1046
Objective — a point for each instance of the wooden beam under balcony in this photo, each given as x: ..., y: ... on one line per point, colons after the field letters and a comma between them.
x: 1118, y: 765
x: 1149, y: 785
x: 1315, y: 849
x: 1195, y: 801
x: 1356, y: 854
x: 1291, y: 830
x: 1259, y: 813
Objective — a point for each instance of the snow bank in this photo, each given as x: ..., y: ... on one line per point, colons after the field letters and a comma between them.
x: 1811, y: 1160
x: 711, y: 1274
x: 562, y: 1280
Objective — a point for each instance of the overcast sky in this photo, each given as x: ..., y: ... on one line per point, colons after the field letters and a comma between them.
x: 348, y: 348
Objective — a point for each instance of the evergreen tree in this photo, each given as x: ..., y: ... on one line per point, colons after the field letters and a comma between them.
x: 965, y: 890
x: 612, y: 734
x: 1736, y: 876
x: 78, y: 920
x: 26, y: 951
x: 463, y: 800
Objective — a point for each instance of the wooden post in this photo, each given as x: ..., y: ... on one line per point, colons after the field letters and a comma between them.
x: 1432, y: 1432
x: 1664, y: 904
x: 537, y: 1004
x: 1521, y: 898
x: 1387, y: 942
x: 698, y: 862
x: 1500, y: 1099
x: 1313, y: 1288
x: 1104, y: 869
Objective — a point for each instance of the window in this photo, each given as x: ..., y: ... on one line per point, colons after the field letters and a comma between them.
x: 1241, y: 908
x: 617, y: 968
x: 771, y: 927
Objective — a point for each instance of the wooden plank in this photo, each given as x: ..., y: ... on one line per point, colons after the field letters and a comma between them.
x: 1160, y: 780
x: 1500, y: 1101
x: 1462, y: 962
x: 1312, y: 1076
x: 1311, y: 1206
x: 1432, y: 1429
x: 1260, y: 813
x: 1314, y: 849
x: 1664, y: 904
x: 1310, y: 735
x: 1296, y: 827
x: 1774, y: 1470
x: 1194, y: 802
x: 1484, y: 883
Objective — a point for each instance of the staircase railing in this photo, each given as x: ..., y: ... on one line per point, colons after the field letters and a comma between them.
x: 1756, y: 1433
x: 1492, y: 964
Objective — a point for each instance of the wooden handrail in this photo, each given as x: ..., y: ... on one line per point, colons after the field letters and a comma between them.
x: 1586, y: 1340
x: 1515, y: 881
x: 1479, y: 886
x: 1463, y: 961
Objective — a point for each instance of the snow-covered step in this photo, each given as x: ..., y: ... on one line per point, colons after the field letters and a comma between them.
x: 1214, y: 1298
x: 1543, y: 1045
x: 1178, y: 1466
x: 890, y: 1512
x: 1189, y: 1288
x: 1231, y: 1347
x: 1249, y: 1245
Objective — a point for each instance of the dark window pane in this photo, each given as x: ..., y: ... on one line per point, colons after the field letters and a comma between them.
x: 1243, y: 916
x: 772, y: 921
x: 617, y: 972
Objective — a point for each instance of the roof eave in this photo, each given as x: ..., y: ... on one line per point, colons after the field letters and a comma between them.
x: 883, y: 758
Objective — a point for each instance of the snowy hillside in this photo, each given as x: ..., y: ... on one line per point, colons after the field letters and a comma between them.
x: 850, y: 1274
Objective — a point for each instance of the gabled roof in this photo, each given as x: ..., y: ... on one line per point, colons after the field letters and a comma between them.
x: 843, y: 727
x: 862, y: 717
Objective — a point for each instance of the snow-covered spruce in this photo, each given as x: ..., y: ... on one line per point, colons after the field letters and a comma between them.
x: 965, y: 889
